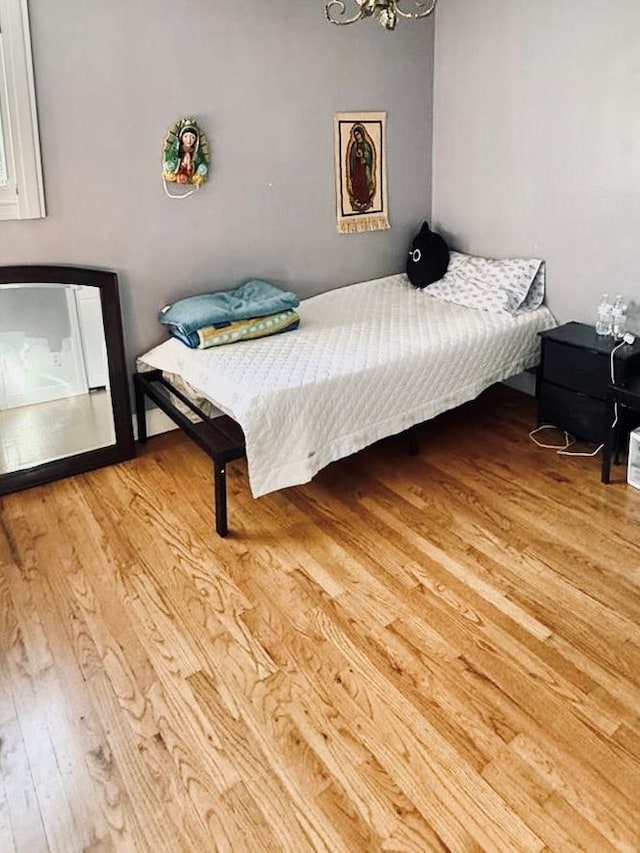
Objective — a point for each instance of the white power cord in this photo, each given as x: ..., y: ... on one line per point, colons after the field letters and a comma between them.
x: 563, y: 450
x: 568, y: 439
x: 580, y: 453
x: 627, y: 339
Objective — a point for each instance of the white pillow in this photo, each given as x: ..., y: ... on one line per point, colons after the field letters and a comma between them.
x: 508, y: 286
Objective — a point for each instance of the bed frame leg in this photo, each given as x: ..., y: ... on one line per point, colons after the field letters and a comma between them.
x: 220, y: 488
x: 141, y: 412
x: 414, y: 447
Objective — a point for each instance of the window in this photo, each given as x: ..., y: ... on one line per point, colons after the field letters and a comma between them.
x: 21, y: 190
x: 3, y: 159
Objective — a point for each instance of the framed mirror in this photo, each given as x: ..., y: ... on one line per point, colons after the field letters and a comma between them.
x: 64, y: 395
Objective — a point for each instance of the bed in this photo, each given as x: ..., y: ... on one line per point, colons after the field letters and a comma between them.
x: 369, y: 360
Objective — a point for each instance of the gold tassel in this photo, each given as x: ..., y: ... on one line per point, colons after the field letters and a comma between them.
x: 359, y: 224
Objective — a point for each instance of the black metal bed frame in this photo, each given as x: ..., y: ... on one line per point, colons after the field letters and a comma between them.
x: 221, y: 437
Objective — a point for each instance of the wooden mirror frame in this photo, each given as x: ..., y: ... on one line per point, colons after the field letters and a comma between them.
x: 124, y: 446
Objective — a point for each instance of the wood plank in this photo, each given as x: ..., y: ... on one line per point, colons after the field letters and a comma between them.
x: 439, y: 763
x: 470, y: 609
x: 8, y: 626
x: 374, y: 798
x: 623, y: 831
x: 36, y: 717
x: 163, y: 818
x: 530, y: 795
x: 6, y: 833
x: 271, y: 788
x: 7, y: 547
x: 332, y: 680
x: 423, y: 653
x: 94, y: 790
x: 20, y: 794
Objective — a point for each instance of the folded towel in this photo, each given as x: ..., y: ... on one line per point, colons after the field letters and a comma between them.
x: 241, y: 330
x: 254, y: 298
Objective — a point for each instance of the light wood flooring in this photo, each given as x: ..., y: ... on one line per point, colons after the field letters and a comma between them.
x: 423, y: 653
x: 32, y: 435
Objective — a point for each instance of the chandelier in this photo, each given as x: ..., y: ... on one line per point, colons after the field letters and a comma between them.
x: 386, y: 11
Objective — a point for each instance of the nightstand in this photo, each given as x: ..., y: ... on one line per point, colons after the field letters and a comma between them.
x: 623, y: 401
x: 574, y: 377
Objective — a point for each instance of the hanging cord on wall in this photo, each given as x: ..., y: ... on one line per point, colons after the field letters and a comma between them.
x: 183, y: 195
x: 569, y: 439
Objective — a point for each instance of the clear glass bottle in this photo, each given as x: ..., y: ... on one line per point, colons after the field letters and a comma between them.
x: 604, y: 323
x: 619, y: 318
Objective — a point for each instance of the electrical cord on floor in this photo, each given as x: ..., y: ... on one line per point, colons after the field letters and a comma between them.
x: 568, y: 438
x: 580, y: 453
x: 562, y: 450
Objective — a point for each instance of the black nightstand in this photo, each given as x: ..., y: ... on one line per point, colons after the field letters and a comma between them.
x: 574, y: 377
x: 623, y: 404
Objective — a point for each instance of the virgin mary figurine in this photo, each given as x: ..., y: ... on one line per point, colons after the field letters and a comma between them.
x: 186, y: 154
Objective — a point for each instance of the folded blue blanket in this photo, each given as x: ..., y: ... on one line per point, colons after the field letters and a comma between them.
x: 254, y: 298
x: 241, y: 330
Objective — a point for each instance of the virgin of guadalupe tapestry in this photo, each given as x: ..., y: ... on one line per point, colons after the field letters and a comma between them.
x: 361, y: 172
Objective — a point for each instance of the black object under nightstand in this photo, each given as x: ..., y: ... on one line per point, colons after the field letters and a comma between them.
x: 574, y: 377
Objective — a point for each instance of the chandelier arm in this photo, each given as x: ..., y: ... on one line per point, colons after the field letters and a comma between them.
x: 341, y: 9
x: 423, y: 14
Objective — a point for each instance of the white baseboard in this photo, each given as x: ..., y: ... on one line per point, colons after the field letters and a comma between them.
x: 157, y: 423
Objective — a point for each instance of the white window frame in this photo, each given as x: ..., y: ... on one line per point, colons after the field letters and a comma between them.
x: 22, y: 196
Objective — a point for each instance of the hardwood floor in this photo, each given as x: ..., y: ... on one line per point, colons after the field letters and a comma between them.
x: 423, y: 653
x: 33, y: 435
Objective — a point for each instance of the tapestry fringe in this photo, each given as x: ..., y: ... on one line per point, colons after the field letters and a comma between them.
x: 359, y: 224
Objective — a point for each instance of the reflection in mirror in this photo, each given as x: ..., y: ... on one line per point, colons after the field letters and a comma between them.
x: 64, y: 405
x: 55, y: 399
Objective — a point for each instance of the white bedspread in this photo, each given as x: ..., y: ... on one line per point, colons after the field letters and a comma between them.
x: 368, y: 361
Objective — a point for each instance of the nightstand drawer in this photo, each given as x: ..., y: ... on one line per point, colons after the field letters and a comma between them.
x: 583, y: 416
x: 577, y: 369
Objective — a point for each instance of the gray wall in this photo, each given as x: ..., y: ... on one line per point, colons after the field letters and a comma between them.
x: 264, y: 79
x: 537, y: 140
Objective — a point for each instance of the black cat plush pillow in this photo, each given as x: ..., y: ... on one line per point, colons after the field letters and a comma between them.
x: 428, y: 257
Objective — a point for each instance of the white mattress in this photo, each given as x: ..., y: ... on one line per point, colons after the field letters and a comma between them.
x: 368, y: 361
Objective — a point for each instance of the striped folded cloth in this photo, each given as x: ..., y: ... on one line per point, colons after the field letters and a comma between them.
x: 240, y: 330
